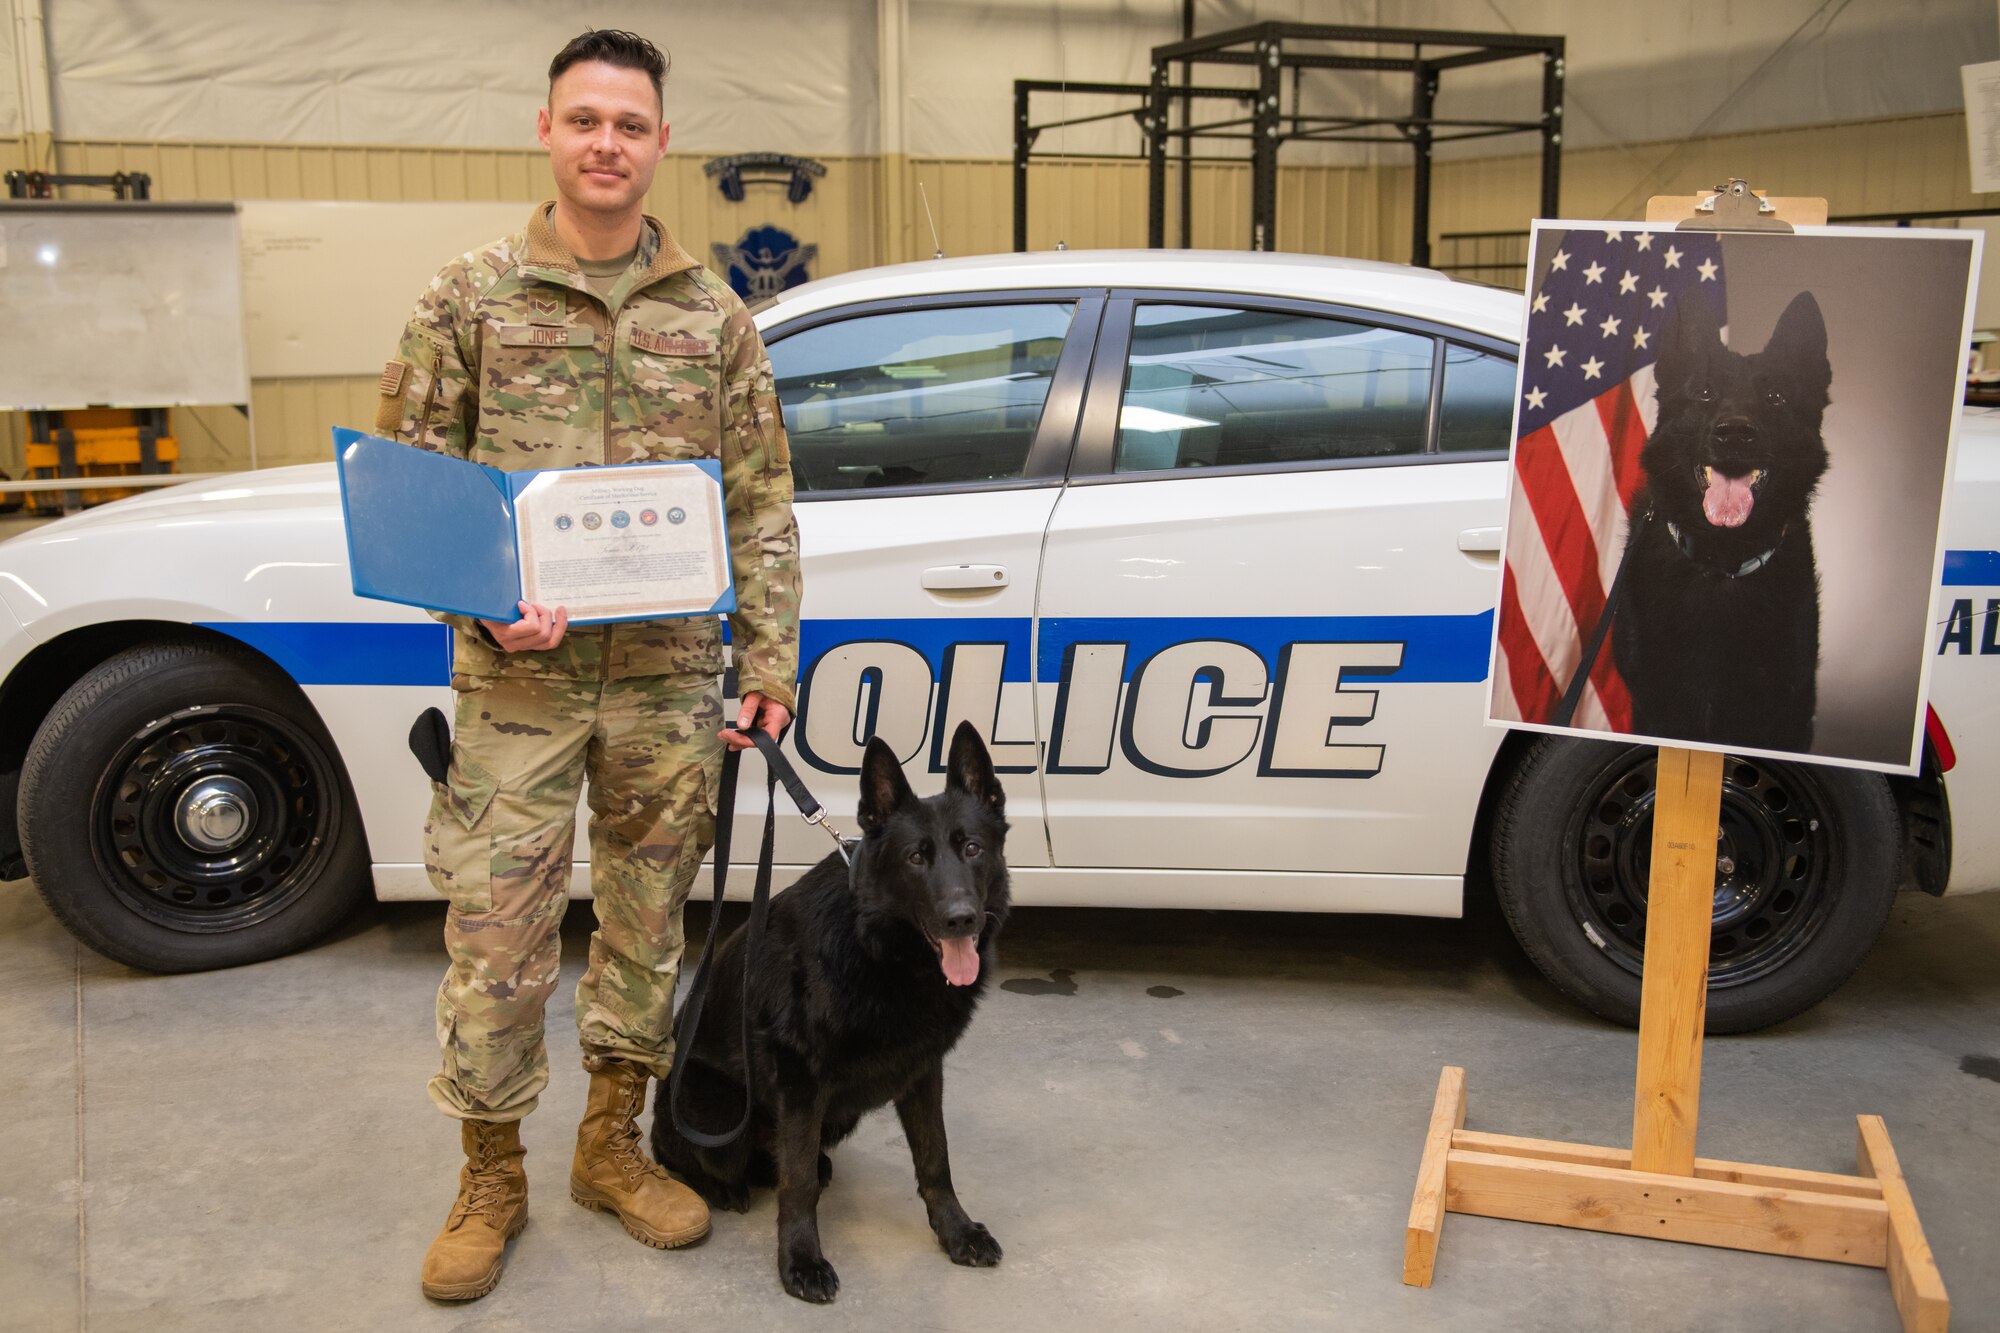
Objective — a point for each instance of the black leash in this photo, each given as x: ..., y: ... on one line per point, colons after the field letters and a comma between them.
x: 776, y: 769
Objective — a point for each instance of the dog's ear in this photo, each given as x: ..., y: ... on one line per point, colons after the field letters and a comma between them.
x: 1797, y: 351
x: 1692, y: 337
x: 883, y: 786
x: 971, y: 769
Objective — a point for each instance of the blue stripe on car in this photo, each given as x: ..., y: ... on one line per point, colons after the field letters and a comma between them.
x: 1439, y: 648
x: 1436, y: 648
x: 1971, y: 569
x: 349, y: 652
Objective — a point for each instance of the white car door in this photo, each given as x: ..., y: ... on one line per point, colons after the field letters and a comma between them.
x: 1267, y: 597
x: 929, y: 440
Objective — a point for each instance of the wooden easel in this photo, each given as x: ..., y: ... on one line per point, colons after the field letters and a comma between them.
x: 1660, y: 1188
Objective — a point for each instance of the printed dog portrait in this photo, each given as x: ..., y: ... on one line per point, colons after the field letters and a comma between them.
x: 1716, y: 629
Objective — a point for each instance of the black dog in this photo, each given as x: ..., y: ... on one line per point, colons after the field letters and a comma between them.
x: 1716, y: 631
x: 864, y: 979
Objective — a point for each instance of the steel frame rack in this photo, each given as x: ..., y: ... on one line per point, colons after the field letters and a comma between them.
x: 1267, y: 128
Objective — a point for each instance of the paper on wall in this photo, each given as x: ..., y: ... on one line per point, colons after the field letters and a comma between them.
x: 1982, y: 123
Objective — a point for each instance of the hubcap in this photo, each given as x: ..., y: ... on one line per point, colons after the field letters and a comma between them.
x: 216, y: 814
x: 215, y: 818
x: 1774, y: 856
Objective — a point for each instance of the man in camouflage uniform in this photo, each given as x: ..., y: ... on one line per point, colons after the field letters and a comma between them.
x: 588, y: 338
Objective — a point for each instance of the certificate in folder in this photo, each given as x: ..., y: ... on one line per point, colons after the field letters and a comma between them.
x: 634, y: 541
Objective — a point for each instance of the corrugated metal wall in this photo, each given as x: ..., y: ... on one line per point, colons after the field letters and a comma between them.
x: 1086, y: 203
x: 1911, y: 163
x: 1919, y: 163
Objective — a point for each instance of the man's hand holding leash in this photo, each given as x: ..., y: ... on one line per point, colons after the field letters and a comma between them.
x: 766, y: 715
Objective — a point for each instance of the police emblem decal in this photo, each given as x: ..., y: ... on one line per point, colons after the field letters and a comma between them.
x: 768, y: 260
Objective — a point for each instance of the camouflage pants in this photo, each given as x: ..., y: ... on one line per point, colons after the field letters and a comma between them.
x: 498, y: 845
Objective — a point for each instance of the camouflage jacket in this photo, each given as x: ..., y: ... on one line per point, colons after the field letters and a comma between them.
x: 510, y: 360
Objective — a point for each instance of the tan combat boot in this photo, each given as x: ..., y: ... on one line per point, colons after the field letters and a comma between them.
x: 613, y: 1174
x: 492, y: 1207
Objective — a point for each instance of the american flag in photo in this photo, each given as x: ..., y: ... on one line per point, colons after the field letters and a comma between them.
x: 1594, y: 327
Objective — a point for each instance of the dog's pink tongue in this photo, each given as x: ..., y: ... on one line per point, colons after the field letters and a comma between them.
x: 1727, y: 501
x: 960, y: 960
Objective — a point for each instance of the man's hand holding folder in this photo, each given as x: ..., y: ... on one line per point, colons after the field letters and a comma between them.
x: 538, y: 628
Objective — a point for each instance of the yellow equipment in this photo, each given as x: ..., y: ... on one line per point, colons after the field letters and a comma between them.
x: 97, y: 442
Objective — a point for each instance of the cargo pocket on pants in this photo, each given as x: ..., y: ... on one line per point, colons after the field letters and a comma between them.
x: 458, y: 835
x: 691, y: 878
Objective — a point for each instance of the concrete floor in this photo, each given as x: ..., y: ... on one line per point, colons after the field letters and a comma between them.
x: 1171, y: 1121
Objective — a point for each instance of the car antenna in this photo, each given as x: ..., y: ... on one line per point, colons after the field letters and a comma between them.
x: 936, y: 244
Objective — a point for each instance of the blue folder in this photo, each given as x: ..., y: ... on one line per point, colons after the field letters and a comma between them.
x: 429, y: 530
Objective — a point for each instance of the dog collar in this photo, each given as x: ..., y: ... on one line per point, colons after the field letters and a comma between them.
x: 1750, y: 566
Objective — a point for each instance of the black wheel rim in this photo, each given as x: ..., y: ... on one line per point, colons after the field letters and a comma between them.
x: 215, y: 818
x: 1774, y: 883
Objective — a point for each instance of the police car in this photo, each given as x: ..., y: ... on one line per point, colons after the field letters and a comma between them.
x: 1206, y: 545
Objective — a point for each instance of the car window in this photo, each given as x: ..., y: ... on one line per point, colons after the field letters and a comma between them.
x: 1476, y: 410
x: 935, y: 396
x: 1211, y: 386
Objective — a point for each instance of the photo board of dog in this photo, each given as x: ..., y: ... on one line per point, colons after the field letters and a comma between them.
x: 1730, y: 457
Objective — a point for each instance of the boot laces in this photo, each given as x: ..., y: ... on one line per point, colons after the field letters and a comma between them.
x: 623, y: 1141
x: 485, y: 1183
x: 482, y: 1200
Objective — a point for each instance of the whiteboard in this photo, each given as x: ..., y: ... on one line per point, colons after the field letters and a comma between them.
x: 328, y: 286
x: 120, y: 305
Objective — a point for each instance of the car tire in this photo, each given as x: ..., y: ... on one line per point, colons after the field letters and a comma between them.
x: 182, y: 808
x: 1806, y: 873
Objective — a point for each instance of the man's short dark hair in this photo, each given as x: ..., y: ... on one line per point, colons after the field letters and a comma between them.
x: 615, y: 47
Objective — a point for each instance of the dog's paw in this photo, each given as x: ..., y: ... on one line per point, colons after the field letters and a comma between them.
x: 974, y: 1246
x: 825, y: 1170
x: 720, y: 1197
x: 809, y: 1279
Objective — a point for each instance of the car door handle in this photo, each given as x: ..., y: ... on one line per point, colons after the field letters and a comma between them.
x: 1480, y: 541
x: 965, y: 578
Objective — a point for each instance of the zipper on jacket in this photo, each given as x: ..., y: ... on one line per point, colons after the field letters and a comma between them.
x: 430, y: 394
x: 610, y: 357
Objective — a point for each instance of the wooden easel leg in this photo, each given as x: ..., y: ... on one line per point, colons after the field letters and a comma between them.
x: 1673, y: 997
x: 1913, y: 1273
x: 1420, y: 1242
